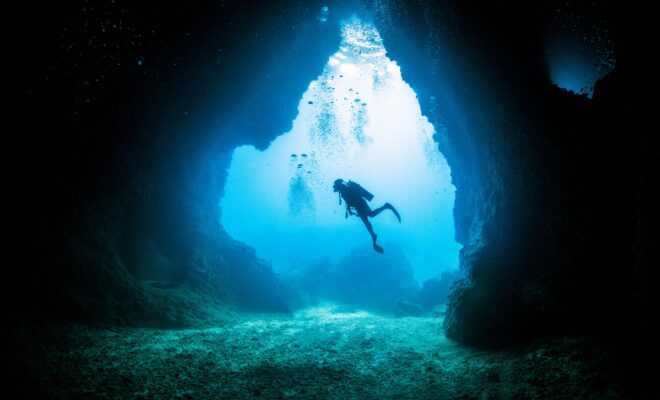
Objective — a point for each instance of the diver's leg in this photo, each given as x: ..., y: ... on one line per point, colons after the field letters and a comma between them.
x: 378, y: 210
x: 386, y: 206
x: 370, y: 228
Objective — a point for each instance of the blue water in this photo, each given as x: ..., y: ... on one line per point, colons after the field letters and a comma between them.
x: 360, y: 121
x: 576, y: 63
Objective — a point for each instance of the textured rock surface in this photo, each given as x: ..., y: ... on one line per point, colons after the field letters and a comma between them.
x: 316, y: 353
x: 553, y: 190
x: 121, y: 181
x: 555, y: 199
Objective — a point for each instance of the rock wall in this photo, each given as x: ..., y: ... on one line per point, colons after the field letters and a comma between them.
x: 108, y: 188
x: 124, y: 145
x: 553, y: 189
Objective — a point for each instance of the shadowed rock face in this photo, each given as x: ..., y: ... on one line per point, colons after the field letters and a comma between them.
x: 554, y: 199
x: 118, y: 196
x: 553, y: 190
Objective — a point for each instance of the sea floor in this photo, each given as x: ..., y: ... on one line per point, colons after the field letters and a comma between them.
x: 319, y: 353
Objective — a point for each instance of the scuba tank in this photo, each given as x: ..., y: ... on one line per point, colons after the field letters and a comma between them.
x: 360, y: 190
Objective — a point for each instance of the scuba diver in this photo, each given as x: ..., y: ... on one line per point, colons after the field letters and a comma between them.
x: 354, y: 195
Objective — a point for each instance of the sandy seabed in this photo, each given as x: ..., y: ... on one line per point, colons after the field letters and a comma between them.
x: 319, y: 353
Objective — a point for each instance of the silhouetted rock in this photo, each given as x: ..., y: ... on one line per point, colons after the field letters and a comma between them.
x: 556, y: 202
x: 362, y: 279
x: 545, y: 180
x: 435, y: 290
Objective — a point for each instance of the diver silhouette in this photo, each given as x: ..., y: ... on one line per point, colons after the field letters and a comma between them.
x: 354, y: 196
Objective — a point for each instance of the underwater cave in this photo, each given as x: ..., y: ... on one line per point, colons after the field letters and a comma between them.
x: 357, y: 120
x: 176, y: 233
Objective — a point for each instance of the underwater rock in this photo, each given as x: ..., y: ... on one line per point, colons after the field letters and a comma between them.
x: 363, y: 279
x: 559, y: 189
x: 435, y: 290
x: 535, y: 170
x: 163, y: 284
x: 406, y: 308
x: 484, y: 309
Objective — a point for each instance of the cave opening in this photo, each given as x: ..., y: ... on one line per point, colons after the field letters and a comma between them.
x: 358, y: 120
x: 142, y: 233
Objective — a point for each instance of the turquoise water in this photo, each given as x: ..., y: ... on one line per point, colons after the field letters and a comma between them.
x: 358, y: 120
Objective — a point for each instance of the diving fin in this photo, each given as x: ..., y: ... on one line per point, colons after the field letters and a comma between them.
x: 396, y: 213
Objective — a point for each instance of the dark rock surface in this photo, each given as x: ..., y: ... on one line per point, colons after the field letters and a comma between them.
x: 124, y: 161
x: 553, y: 199
x: 313, y: 354
x: 434, y: 291
x: 555, y: 204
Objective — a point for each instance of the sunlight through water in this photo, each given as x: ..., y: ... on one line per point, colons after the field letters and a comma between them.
x: 360, y: 121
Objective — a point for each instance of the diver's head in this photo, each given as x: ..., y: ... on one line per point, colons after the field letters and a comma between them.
x: 338, y: 184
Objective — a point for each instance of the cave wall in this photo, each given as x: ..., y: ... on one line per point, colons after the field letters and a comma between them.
x: 116, y: 213
x: 479, y: 79
x: 551, y: 195
x: 549, y: 245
